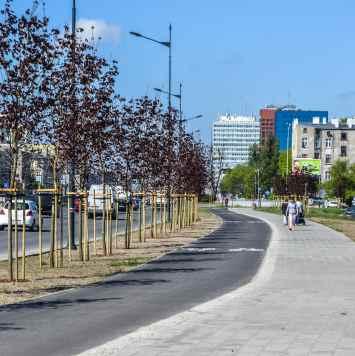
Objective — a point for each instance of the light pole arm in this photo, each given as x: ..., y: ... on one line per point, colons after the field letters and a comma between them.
x: 166, y: 44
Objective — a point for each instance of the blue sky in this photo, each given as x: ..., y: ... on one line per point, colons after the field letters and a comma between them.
x: 231, y: 55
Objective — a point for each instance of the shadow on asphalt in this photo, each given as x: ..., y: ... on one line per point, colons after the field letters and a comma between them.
x: 129, y: 282
x: 9, y: 327
x: 170, y: 270
x: 183, y: 260
x: 197, y: 253
x: 212, y: 242
x: 218, y: 239
x: 55, y: 304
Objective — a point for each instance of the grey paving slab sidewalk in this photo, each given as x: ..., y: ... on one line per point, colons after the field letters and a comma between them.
x: 302, y: 302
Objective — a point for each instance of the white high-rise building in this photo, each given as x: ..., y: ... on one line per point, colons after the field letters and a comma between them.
x: 232, y: 137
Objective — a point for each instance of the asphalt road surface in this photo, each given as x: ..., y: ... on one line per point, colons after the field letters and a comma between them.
x: 32, y: 237
x: 71, y: 322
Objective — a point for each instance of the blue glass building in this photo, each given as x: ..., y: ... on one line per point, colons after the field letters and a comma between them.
x: 285, y: 118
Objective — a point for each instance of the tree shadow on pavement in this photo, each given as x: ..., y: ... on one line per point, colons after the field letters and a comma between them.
x: 129, y: 282
x: 170, y: 270
x: 9, y: 327
x: 196, y: 253
x: 53, y: 304
x: 183, y: 260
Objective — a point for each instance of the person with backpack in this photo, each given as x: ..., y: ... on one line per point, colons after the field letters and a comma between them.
x: 300, y: 213
x: 283, y: 211
x: 291, y: 213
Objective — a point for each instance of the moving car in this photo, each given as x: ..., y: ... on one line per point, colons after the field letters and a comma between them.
x: 31, y: 214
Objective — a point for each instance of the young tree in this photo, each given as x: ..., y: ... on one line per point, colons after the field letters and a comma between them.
x: 239, y: 181
x: 341, y: 180
x: 26, y: 58
x: 192, y: 166
x: 215, y: 170
x: 266, y: 159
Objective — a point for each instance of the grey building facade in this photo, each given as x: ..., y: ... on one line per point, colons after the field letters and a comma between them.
x: 327, y: 142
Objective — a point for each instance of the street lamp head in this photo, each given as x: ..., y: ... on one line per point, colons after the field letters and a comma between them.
x: 157, y: 89
x: 135, y: 34
x: 192, y: 118
x: 166, y: 44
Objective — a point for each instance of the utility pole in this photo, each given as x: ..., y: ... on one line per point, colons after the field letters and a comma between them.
x: 169, y: 111
x: 72, y: 164
x: 170, y: 28
x: 287, y: 149
x: 258, y: 180
x: 180, y: 110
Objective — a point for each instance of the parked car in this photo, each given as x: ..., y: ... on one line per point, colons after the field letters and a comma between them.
x: 122, y: 202
x: 350, y: 212
x: 46, y: 202
x: 97, y: 203
x: 31, y: 214
x: 331, y: 204
x: 334, y: 204
x: 316, y: 201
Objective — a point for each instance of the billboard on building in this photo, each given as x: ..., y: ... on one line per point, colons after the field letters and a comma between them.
x: 307, y: 166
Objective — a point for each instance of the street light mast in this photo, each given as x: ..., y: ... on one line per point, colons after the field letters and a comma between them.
x: 72, y: 164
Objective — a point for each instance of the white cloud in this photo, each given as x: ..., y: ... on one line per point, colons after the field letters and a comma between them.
x: 108, y: 32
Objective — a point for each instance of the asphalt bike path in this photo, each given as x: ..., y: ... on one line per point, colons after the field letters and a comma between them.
x: 71, y: 322
x: 300, y: 303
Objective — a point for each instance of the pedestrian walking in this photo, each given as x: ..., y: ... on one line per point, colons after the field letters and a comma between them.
x: 291, y: 213
x: 226, y: 203
x: 300, y: 213
x: 283, y: 211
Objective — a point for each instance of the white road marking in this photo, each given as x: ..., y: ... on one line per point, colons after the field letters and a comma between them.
x: 205, y: 249
x: 246, y: 249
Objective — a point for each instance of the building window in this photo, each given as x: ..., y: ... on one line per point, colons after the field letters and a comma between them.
x: 305, y: 130
x: 328, y: 159
x: 343, y: 136
x: 328, y: 142
x: 304, y: 155
x: 343, y: 151
x: 327, y: 175
x: 316, y: 155
x: 304, y: 142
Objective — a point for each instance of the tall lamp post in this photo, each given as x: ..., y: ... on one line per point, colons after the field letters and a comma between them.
x: 72, y: 164
x: 167, y: 44
x: 163, y: 43
x: 178, y: 96
x: 257, y: 171
x: 287, y: 149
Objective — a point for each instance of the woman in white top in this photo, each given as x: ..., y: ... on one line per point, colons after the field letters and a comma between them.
x: 291, y: 213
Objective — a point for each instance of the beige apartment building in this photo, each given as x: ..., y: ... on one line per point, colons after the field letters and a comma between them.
x: 327, y: 142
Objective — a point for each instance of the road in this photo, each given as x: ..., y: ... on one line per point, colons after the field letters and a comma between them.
x: 73, y: 321
x: 32, y: 237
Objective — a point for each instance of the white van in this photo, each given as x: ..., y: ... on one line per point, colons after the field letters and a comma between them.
x: 96, y: 198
